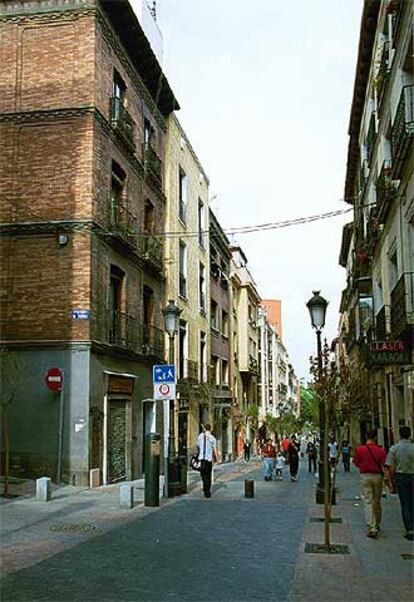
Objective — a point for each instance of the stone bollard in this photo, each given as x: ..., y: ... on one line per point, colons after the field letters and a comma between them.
x: 126, y: 496
x: 94, y: 478
x: 248, y: 488
x: 44, y: 489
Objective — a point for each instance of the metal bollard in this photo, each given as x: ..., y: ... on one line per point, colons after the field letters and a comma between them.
x: 152, y: 470
x: 248, y: 488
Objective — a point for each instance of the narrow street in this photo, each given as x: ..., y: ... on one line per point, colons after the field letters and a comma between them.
x: 227, y: 548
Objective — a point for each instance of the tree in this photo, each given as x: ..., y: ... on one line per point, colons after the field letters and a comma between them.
x: 308, y: 406
x: 11, y: 372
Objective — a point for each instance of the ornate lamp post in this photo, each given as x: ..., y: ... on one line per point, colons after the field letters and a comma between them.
x: 317, y: 308
x: 171, y: 315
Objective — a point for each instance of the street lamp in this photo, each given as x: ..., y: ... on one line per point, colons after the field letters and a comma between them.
x: 171, y: 315
x: 317, y: 308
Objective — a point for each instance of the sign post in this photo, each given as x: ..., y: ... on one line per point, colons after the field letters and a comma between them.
x: 54, y: 381
x: 164, y: 379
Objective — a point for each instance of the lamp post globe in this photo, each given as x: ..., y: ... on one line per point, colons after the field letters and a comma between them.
x: 171, y: 315
x: 317, y: 309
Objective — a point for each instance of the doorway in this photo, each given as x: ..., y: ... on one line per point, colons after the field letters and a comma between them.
x: 117, y: 447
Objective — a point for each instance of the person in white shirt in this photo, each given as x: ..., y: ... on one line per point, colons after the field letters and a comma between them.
x: 333, y: 452
x: 207, y: 451
x: 280, y: 462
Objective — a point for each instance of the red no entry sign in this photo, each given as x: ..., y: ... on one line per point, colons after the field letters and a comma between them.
x: 54, y: 379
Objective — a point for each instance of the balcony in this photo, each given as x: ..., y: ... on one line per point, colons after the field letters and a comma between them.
x: 402, y: 130
x: 402, y: 305
x: 383, y: 323
x: 385, y: 192
x: 123, y: 330
x: 371, y: 137
x: 396, y: 9
x: 381, y: 78
x: 152, y: 341
x: 253, y: 364
x: 127, y: 332
x: 152, y: 163
x: 122, y: 121
x: 152, y: 250
x: 122, y: 222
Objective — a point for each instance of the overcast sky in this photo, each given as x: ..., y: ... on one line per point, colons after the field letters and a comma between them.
x: 265, y: 90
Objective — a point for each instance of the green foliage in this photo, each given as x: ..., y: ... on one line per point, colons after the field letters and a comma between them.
x: 253, y: 415
x: 308, y: 406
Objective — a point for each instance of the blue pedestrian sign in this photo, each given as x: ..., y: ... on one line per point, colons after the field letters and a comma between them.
x: 164, y: 373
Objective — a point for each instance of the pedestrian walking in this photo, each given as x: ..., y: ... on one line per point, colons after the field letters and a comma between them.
x: 246, y: 447
x: 370, y: 459
x: 346, y: 455
x: 279, y: 464
x: 400, y: 472
x: 268, y: 455
x: 207, y: 451
x: 332, y: 452
x: 285, y: 444
x: 312, y: 454
x: 293, y: 459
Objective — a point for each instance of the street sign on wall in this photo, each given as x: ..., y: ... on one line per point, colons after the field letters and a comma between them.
x: 54, y: 379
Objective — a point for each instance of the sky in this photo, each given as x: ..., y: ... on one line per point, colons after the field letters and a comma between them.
x: 265, y: 90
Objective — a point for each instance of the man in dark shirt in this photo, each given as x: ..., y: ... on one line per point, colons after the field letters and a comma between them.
x: 370, y: 459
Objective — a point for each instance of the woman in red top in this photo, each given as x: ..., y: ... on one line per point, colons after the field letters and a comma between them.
x: 370, y: 459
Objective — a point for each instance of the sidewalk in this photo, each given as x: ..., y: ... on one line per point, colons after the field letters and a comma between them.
x: 374, y: 569
x: 31, y: 531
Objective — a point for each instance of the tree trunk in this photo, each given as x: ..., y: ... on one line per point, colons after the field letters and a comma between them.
x: 327, y: 488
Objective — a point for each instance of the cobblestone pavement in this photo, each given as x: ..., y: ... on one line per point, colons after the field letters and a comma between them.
x: 81, y: 546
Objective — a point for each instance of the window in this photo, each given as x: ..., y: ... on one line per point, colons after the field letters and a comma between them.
x: 182, y: 192
x: 225, y: 373
x: 224, y: 323
x: 201, y: 224
x: 148, y: 217
x: 116, y: 281
x: 202, y: 287
x: 118, y: 87
x: 203, y: 347
x: 118, y: 177
x: 214, y: 315
x: 148, y: 133
x: 183, y: 269
x: 182, y: 350
x: 393, y: 269
x: 216, y: 369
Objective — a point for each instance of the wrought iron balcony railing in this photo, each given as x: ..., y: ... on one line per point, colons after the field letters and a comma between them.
x: 383, y: 323
x: 385, y: 192
x: 371, y: 136
x: 123, y: 330
x: 402, y: 130
x: 122, y: 222
x: 396, y: 8
x: 152, y: 341
x: 152, y: 163
x: 402, y: 305
x: 122, y: 121
x: 127, y: 332
x: 152, y: 250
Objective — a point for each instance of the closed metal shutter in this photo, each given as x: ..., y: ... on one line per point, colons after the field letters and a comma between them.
x: 116, y: 441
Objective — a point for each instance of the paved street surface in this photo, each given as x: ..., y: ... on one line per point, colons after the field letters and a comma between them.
x: 82, y: 546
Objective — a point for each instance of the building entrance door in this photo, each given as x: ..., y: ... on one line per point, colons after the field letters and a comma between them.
x: 117, y: 449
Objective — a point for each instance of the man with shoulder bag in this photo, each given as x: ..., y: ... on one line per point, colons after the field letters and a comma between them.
x: 207, y: 451
x: 370, y: 459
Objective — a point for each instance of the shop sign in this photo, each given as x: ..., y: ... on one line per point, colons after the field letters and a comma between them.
x: 120, y: 384
x: 383, y: 353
